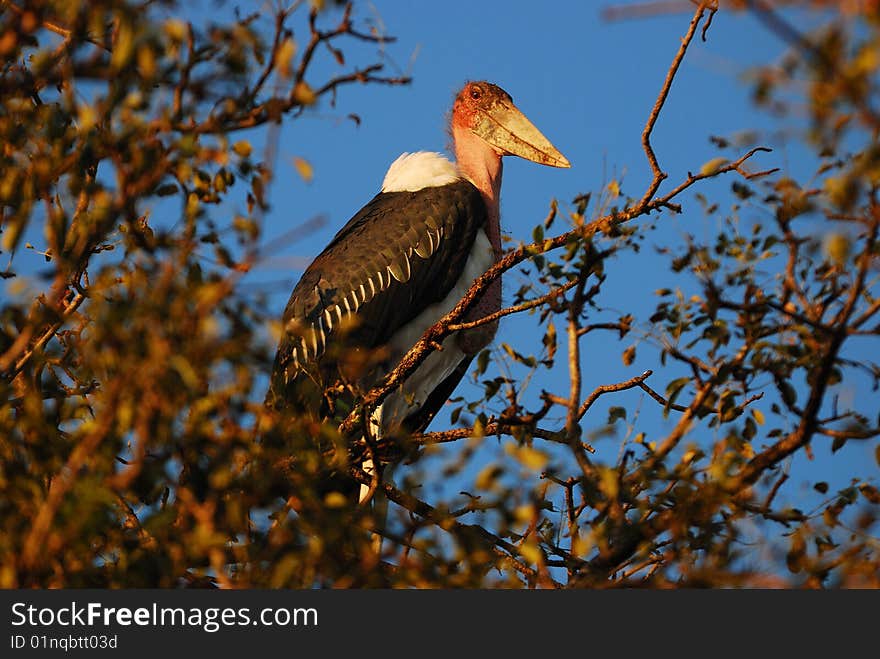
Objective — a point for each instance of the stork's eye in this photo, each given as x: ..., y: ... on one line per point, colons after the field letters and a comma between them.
x: 476, y: 93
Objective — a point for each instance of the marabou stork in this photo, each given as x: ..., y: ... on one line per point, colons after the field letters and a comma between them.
x: 401, y: 263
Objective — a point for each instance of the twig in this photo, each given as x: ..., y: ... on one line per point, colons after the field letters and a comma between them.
x: 637, y: 381
x: 524, y: 306
x: 660, y: 399
x: 660, y: 175
x: 10, y: 355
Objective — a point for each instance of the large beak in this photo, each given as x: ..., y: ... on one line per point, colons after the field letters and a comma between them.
x: 506, y: 128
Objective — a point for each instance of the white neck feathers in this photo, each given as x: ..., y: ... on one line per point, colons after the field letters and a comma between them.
x: 415, y: 171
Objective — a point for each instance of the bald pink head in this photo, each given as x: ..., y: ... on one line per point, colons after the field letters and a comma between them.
x: 488, y: 112
x: 486, y: 126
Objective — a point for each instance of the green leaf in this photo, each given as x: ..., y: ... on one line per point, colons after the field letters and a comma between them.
x: 616, y: 413
x: 491, y: 387
x: 673, y: 389
x: 741, y: 190
x: 789, y: 396
x: 482, y: 361
x: 166, y: 190
x: 454, y: 415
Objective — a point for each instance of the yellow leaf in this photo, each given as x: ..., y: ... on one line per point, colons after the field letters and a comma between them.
x: 836, y: 248
x: 582, y: 545
x: 192, y: 204
x: 713, y: 166
x: 303, y: 94
x: 242, y: 148
x: 335, y: 500
x: 524, y: 513
x: 867, y: 60
x: 209, y: 328
x: 614, y: 189
x: 124, y: 415
x: 87, y: 117
x: 187, y: 373
x: 841, y: 190
x: 124, y: 46
x: 175, y: 29
x: 528, y: 456
x: 284, y: 57
x: 11, y: 234
x: 304, y: 169
x: 759, y: 416
x: 486, y: 478
x: 533, y: 458
x: 7, y: 577
x: 146, y: 62
x: 531, y: 552
x: 608, y: 482
x: 219, y: 182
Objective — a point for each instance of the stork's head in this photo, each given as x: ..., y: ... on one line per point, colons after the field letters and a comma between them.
x: 488, y: 112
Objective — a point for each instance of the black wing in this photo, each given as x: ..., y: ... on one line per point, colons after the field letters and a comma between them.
x: 402, y: 252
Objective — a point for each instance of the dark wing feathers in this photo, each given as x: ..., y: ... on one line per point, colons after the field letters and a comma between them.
x: 400, y: 253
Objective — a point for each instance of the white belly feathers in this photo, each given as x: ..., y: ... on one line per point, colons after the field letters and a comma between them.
x: 439, y: 364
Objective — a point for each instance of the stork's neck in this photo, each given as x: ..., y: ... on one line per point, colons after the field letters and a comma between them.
x: 481, y: 164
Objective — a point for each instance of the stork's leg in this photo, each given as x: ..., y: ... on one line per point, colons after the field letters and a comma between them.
x: 380, y: 508
x: 379, y: 501
x: 369, y: 468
